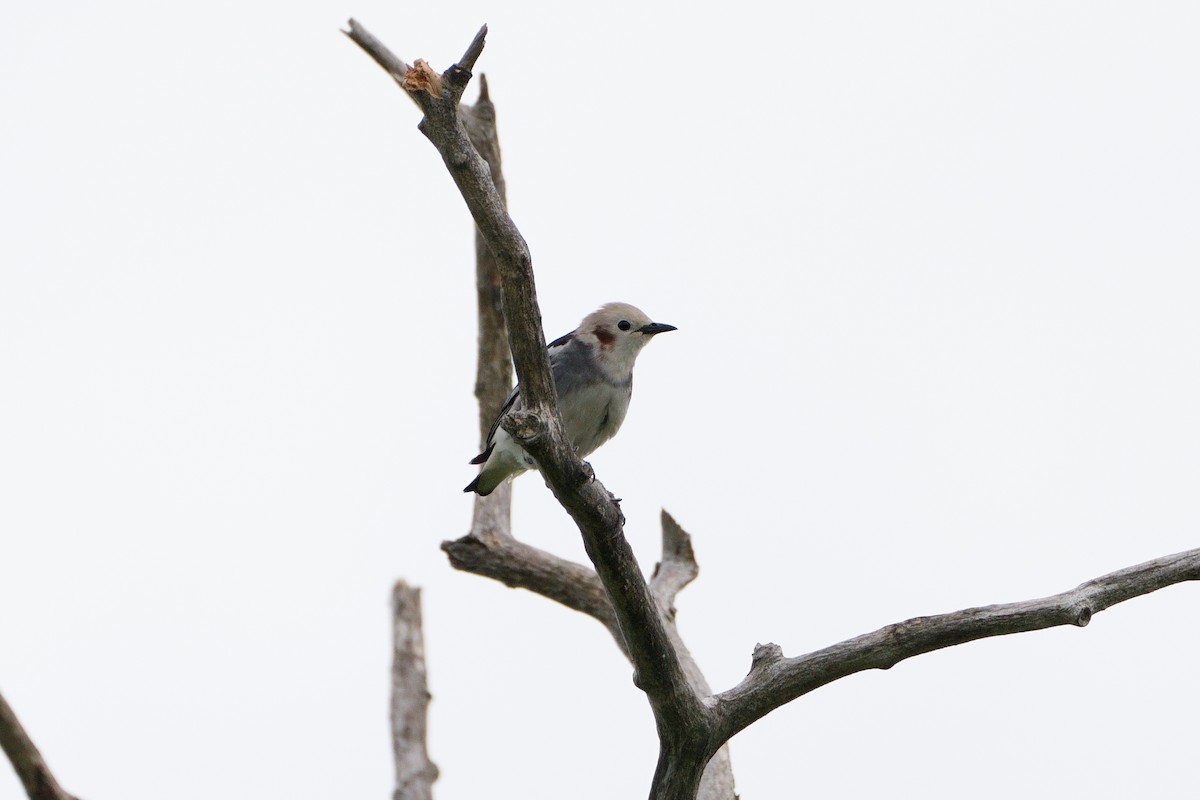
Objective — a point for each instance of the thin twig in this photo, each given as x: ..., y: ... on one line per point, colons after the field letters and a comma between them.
x: 391, y: 63
x: 474, y: 50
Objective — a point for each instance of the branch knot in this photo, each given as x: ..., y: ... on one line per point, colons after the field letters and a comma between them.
x: 526, y: 427
x: 459, y: 77
x: 765, y: 655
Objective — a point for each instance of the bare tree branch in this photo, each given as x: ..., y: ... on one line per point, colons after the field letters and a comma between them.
x: 523, y: 566
x: 692, y: 723
x: 516, y: 564
x: 493, y: 372
x: 493, y: 375
x: 677, y: 708
x: 31, y: 768
x: 415, y: 773
x: 774, y: 680
x: 474, y: 50
x: 678, y: 567
x: 467, y: 141
x: 384, y: 57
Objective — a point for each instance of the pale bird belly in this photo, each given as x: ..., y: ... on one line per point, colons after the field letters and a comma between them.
x: 593, y: 416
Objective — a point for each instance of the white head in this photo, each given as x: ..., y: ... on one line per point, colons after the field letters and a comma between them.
x: 617, y: 332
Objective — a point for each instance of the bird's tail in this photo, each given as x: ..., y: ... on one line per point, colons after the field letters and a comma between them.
x: 473, y: 486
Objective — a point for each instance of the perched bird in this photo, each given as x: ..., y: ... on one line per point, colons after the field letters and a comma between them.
x: 593, y: 373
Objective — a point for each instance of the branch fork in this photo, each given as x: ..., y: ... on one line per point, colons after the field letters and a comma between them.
x: 693, y: 722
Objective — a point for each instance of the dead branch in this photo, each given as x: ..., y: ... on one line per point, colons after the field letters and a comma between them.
x: 415, y: 773
x: 677, y: 708
x: 774, y: 680
x: 31, y: 768
x: 693, y: 724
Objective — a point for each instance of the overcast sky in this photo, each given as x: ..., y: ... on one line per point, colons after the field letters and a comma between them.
x: 934, y: 269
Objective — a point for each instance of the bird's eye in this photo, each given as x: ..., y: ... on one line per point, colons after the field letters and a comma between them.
x: 624, y: 325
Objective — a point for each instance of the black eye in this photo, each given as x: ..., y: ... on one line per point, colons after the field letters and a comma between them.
x: 624, y: 325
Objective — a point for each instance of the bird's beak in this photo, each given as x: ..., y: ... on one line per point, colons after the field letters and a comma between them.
x: 656, y: 327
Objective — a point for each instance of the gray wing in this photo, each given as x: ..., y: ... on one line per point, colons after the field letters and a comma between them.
x: 513, y: 402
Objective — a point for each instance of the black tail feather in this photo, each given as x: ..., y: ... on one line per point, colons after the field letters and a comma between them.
x: 473, y: 486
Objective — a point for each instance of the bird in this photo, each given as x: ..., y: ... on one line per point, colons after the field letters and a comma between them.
x: 593, y: 375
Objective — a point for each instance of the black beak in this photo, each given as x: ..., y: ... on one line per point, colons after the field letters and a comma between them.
x: 656, y: 327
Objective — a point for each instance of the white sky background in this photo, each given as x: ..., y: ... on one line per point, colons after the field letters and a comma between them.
x: 934, y: 269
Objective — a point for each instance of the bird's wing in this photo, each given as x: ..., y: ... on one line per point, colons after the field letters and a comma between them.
x: 504, y: 409
x: 553, y: 347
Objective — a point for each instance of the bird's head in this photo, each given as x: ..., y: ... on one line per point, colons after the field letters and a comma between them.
x: 618, y: 331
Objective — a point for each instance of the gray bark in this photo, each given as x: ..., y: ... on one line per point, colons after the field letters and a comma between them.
x: 31, y: 768
x: 693, y: 723
x: 490, y: 548
x: 415, y: 773
x: 774, y: 680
